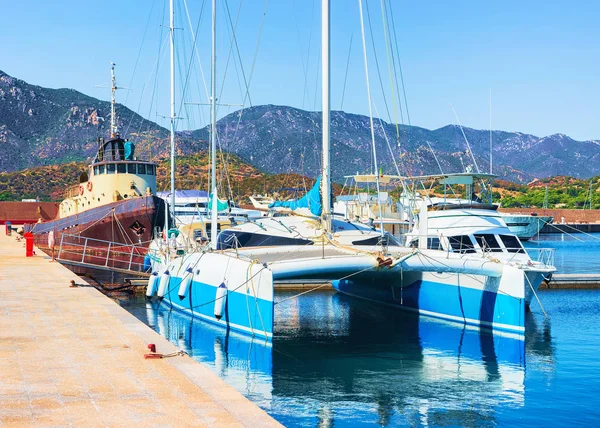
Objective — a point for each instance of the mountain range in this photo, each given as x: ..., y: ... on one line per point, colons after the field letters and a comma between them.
x: 41, y: 126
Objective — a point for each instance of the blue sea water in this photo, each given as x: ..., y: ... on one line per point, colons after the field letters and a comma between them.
x: 574, y: 253
x: 337, y: 361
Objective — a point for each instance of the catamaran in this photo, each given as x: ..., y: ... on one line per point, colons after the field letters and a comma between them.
x: 473, y: 287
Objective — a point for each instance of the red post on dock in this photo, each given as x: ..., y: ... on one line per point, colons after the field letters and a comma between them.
x: 28, y: 244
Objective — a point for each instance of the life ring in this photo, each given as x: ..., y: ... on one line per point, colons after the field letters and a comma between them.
x: 80, y: 190
x: 89, y: 186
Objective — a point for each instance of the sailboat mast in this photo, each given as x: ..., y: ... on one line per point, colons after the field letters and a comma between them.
x: 213, y: 128
x: 213, y: 91
x: 362, y: 29
x: 172, y: 39
x: 113, y: 109
x: 491, y: 152
x: 325, y: 61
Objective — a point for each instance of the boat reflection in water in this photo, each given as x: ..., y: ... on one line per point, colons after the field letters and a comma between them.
x: 333, y: 359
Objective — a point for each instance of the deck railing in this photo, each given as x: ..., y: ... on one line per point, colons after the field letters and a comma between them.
x: 106, y: 254
x: 542, y: 255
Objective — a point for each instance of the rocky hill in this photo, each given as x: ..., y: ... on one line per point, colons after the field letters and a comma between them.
x: 278, y: 139
x: 40, y: 126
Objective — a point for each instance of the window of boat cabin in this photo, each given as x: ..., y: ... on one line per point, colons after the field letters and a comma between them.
x: 512, y: 244
x: 141, y: 168
x: 150, y: 169
x: 434, y: 244
x: 100, y: 169
x: 96, y: 170
x: 461, y: 244
x: 488, y: 242
x: 110, y: 168
x: 131, y: 169
x: 121, y: 168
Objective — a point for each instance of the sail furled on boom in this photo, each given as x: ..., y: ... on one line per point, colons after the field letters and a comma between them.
x: 312, y: 201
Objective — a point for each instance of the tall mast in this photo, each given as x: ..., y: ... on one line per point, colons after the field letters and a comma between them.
x: 113, y: 103
x: 491, y: 153
x: 325, y: 61
x: 172, y: 39
x: 213, y: 128
x: 362, y: 29
x: 213, y: 91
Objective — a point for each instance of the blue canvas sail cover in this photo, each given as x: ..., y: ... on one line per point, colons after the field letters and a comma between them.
x: 312, y: 201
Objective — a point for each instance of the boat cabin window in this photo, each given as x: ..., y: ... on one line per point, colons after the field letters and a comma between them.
x: 488, y: 242
x: 100, y: 169
x: 461, y: 244
x: 434, y: 244
x: 141, y: 168
x: 96, y: 170
x: 131, y: 169
x: 121, y: 167
x: 150, y: 169
x: 110, y: 168
x: 512, y: 244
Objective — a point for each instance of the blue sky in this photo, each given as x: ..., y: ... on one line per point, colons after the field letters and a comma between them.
x: 540, y: 59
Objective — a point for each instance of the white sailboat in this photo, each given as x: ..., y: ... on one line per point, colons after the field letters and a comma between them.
x: 226, y: 289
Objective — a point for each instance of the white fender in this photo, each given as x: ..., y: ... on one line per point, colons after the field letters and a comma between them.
x: 152, y: 282
x: 164, y: 284
x: 220, y: 301
x: 185, y: 283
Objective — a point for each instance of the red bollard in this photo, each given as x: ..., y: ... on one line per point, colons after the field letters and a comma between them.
x: 28, y: 244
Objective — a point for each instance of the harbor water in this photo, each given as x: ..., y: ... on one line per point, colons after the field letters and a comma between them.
x: 574, y: 253
x: 337, y: 361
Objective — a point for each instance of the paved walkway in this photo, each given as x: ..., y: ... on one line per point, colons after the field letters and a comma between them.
x: 73, y: 357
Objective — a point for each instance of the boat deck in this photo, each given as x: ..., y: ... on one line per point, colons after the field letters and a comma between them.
x: 74, y: 357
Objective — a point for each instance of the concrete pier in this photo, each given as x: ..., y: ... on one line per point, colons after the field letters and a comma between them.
x: 73, y: 357
x: 573, y: 280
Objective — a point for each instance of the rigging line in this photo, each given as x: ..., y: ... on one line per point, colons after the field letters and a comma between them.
x: 386, y: 139
x: 189, y: 67
x: 346, y: 74
x: 387, y: 55
x: 234, y: 42
x: 137, y: 60
x: 387, y: 109
x: 251, y: 70
x: 364, y: 43
x: 305, y: 92
x: 399, y: 63
x: 465, y: 137
x: 434, y: 156
x: 262, y: 24
x: 387, y: 19
x: 139, y: 108
x: 196, y: 46
x: 160, y: 52
x: 154, y: 95
x: 226, y: 68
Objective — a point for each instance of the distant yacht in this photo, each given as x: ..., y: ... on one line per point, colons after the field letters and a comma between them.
x: 526, y: 226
